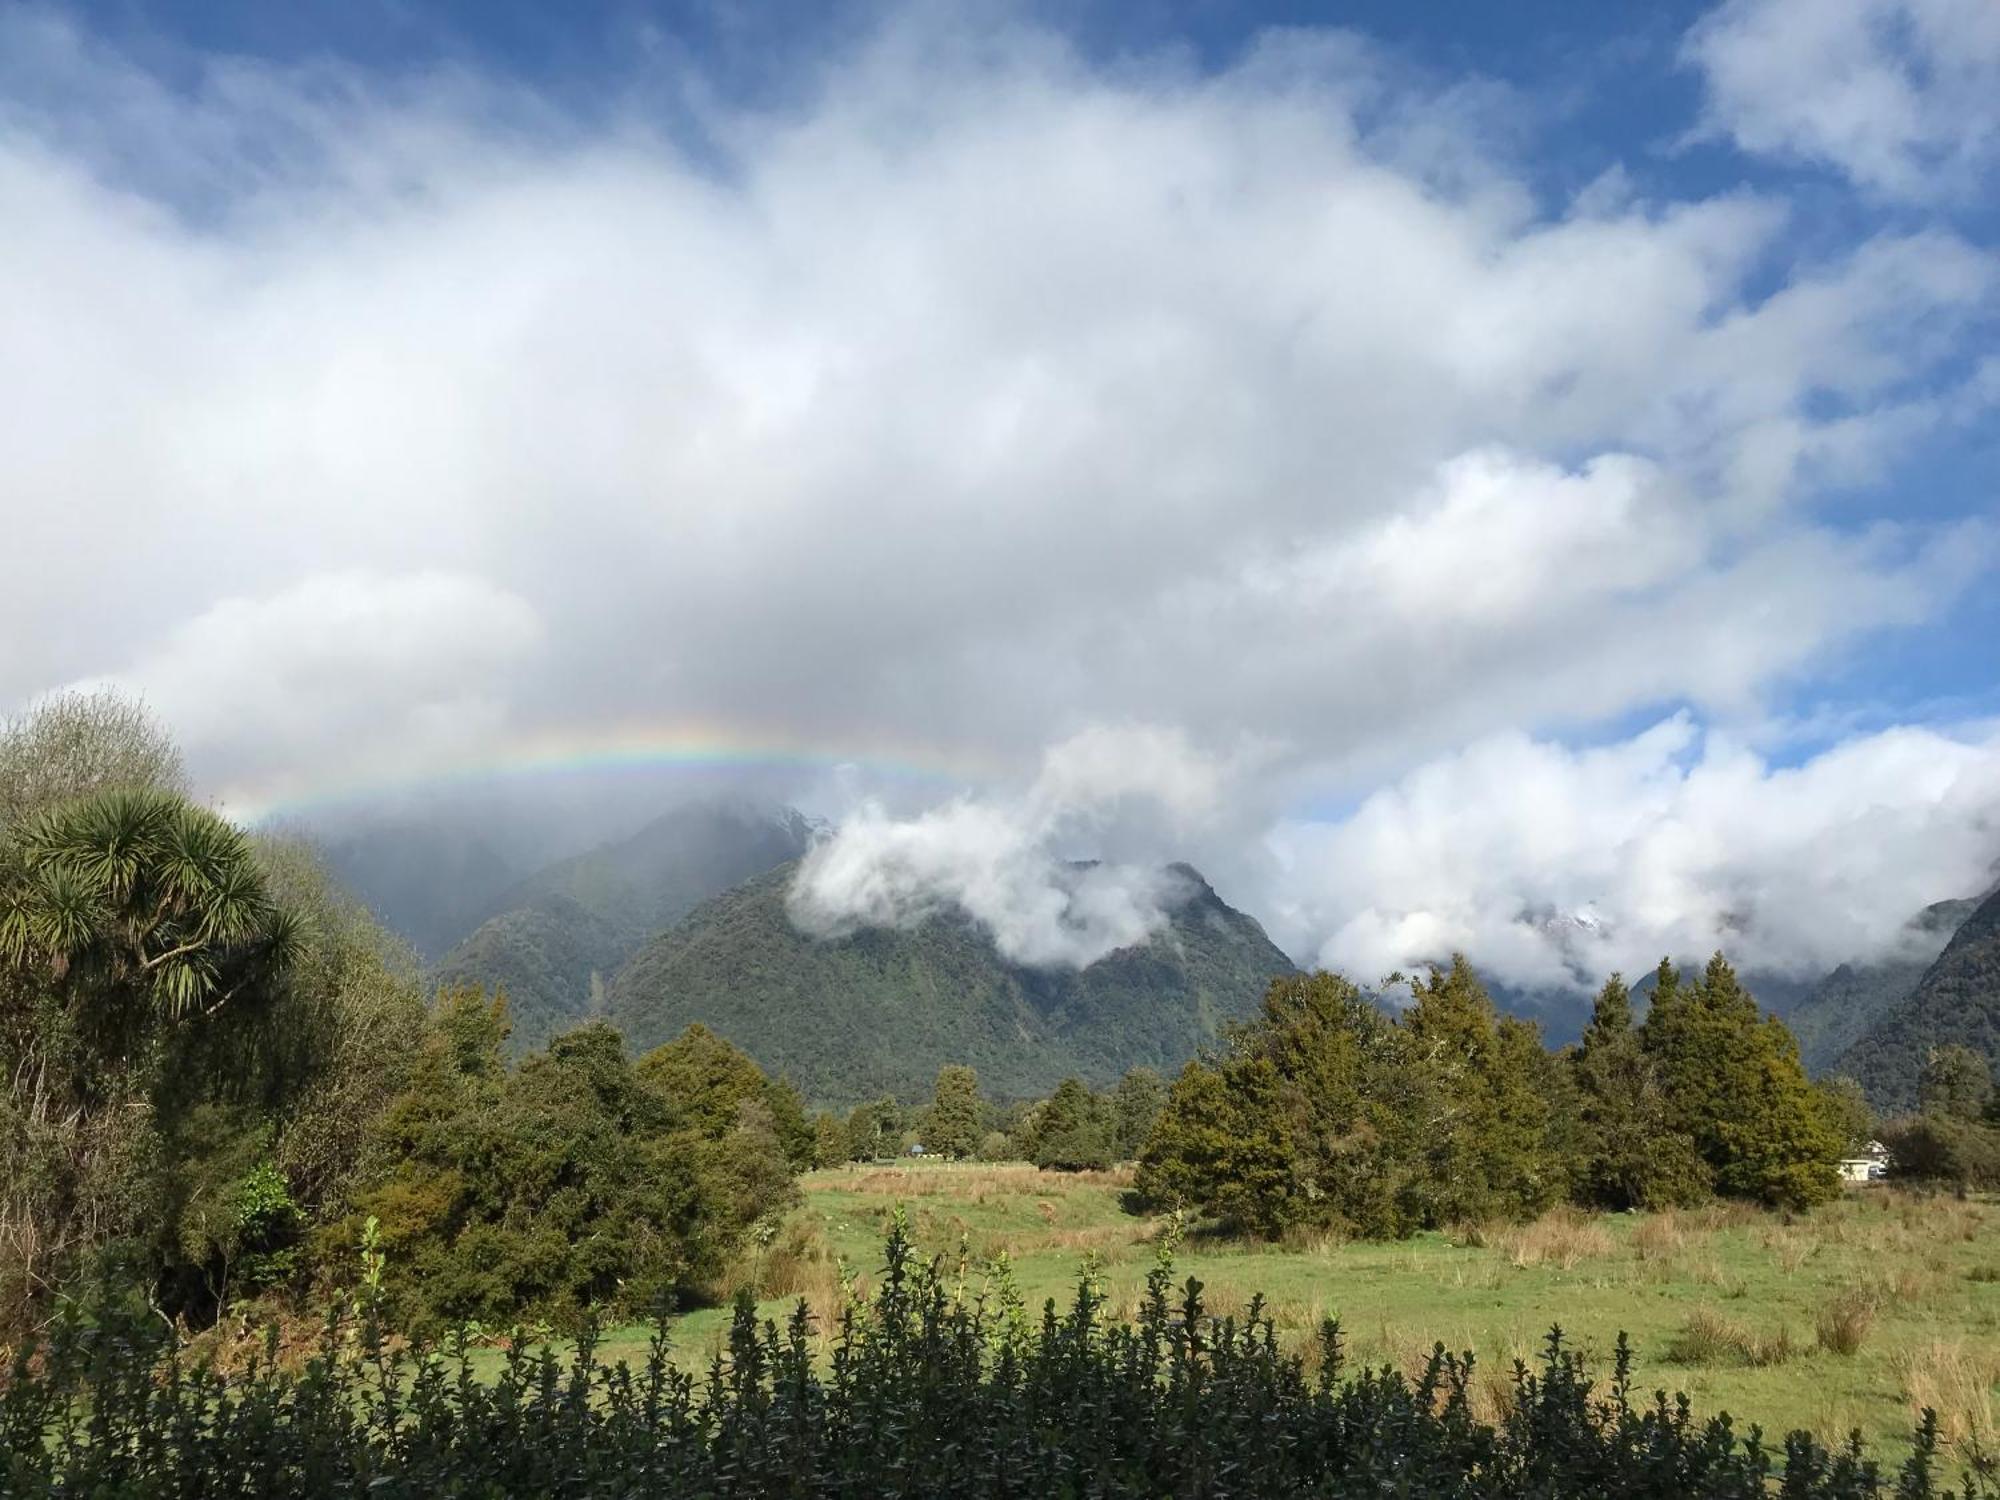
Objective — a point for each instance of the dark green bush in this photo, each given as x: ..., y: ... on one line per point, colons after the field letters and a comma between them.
x: 923, y: 1395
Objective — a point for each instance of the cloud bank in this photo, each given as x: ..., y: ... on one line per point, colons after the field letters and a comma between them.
x: 1008, y: 866
x: 1557, y: 866
x: 972, y: 392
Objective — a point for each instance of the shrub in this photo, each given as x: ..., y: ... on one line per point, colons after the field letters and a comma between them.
x: 1844, y: 1322
x: 1708, y: 1338
x: 924, y: 1393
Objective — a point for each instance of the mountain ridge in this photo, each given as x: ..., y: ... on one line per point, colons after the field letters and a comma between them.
x: 879, y: 1010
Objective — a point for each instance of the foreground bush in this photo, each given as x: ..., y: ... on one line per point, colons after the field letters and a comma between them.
x: 924, y: 1393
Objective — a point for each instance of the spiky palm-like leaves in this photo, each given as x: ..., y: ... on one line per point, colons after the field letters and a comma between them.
x: 144, y: 891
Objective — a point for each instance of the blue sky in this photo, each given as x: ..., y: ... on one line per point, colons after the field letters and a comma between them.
x: 1439, y: 467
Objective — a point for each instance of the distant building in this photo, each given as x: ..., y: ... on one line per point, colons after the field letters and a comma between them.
x: 1871, y: 1165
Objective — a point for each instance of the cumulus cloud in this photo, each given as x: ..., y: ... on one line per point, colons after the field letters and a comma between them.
x: 381, y: 669
x: 1011, y: 866
x: 1554, y: 866
x: 1902, y: 96
x: 963, y: 393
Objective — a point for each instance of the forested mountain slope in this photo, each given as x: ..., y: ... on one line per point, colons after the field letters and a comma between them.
x: 1957, y: 1000
x: 883, y: 1009
x: 1838, y: 1011
x: 557, y: 936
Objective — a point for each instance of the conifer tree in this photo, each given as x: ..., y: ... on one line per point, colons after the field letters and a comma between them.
x: 1631, y: 1156
x: 1485, y: 1140
x: 951, y: 1125
x: 1072, y: 1134
x: 1734, y: 1084
x: 1135, y: 1107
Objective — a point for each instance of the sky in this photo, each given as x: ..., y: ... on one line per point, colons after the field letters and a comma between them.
x: 1519, y: 479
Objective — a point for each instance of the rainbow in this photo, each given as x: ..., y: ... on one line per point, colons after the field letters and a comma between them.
x: 681, y: 745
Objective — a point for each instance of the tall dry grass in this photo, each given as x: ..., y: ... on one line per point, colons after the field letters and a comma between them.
x: 1708, y: 1338
x: 1661, y: 1236
x: 1845, y: 1320
x: 1956, y: 1379
x: 1562, y: 1237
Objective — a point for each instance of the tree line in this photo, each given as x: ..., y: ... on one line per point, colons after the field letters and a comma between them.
x: 1326, y: 1111
x: 220, y: 1076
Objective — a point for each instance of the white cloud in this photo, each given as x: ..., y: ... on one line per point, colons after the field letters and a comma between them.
x: 377, y: 671
x: 973, y: 394
x: 1902, y: 96
x: 1674, y: 842
x: 1008, y: 864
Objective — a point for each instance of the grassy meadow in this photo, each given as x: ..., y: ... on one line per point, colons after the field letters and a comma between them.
x: 1853, y: 1317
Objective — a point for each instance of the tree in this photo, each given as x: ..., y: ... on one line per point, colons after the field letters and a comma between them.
x: 78, y: 745
x: 1846, y: 1109
x: 1310, y: 1116
x: 712, y: 1081
x: 138, y: 895
x: 574, y: 1180
x: 829, y: 1140
x: 1485, y: 1133
x: 951, y: 1125
x: 1135, y: 1107
x: 1072, y: 1134
x: 139, y: 953
x: 1955, y: 1084
x: 1631, y: 1156
x: 875, y: 1129
x: 1733, y: 1083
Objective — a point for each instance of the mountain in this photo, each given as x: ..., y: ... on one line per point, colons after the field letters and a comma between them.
x: 429, y: 881
x: 883, y: 1009
x: 1956, y: 1000
x: 1837, y: 1011
x: 554, y: 938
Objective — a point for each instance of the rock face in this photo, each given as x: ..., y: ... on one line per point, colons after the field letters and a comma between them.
x: 883, y: 1009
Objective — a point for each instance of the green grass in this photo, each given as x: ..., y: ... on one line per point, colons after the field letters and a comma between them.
x: 1740, y: 1295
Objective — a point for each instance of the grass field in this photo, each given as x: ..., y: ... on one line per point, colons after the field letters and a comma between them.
x: 1855, y: 1316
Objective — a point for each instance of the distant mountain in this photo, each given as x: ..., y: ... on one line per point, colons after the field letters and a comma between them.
x: 1837, y: 1011
x: 429, y: 881
x: 553, y: 939
x: 883, y: 1009
x: 1956, y: 1000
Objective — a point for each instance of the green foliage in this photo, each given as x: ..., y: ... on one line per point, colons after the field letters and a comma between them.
x: 830, y: 1142
x: 1957, y: 1002
x: 559, y: 936
x: 875, y: 1129
x: 1847, y: 1112
x: 716, y: 1086
x: 1955, y: 1083
x: 881, y: 1010
x: 1072, y: 1131
x: 950, y: 1127
x: 1309, y: 1117
x: 76, y: 745
x: 1734, y: 1085
x: 1953, y: 1141
x: 1631, y: 1154
x: 186, y: 1015
x: 575, y: 1180
x: 1135, y: 1108
x: 1326, y: 1112
x: 925, y: 1393
x: 137, y: 897
x: 1482, y: 1142
x: 1944, y: 1151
